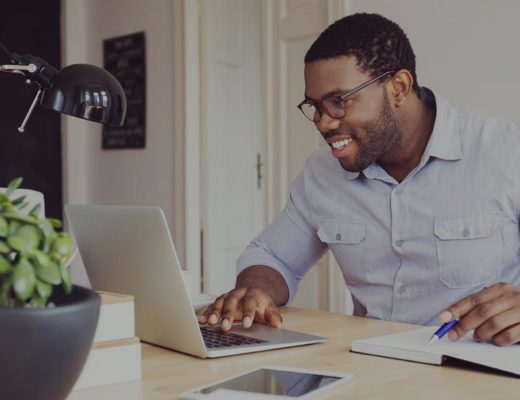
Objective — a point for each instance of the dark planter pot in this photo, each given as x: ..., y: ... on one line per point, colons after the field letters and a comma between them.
x: 44, y: 350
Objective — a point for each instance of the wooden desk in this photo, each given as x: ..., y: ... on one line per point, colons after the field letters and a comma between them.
x: 167, y: 373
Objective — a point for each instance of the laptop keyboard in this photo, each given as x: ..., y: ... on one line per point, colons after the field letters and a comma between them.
x: 214, y: 339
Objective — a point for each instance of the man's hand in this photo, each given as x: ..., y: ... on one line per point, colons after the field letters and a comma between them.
x: 246, y: 304
x: 494, y: 314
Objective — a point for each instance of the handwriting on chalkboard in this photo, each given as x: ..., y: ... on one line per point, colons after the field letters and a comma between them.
x: 125, y: 58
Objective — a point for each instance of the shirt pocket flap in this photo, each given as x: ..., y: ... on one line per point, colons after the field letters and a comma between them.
x: 348, y: 232
x: 467, y: 228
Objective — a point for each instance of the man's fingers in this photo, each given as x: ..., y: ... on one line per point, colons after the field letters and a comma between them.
x: 243, y: 303
x: 249, y: 310
x: 483, y: 312
x: 464, y: 306
x: 230, y: 310
x: 494, y: 327
x: 211, y: 314
x: 273, y: 317
x: 509, y: 336
x: 203, y: 316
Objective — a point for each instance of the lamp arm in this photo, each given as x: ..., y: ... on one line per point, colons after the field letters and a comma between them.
x: 18, y: 69
x: 35, y: 69
x: 21, y: 128
x: 24, y: 70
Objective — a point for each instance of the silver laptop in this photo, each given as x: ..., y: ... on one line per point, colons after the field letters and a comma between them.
x: 128, y: 249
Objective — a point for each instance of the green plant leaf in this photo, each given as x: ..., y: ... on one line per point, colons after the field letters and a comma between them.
x: 56, y: 223
x: 18, y: 243
x: 39, y: 258
x: 5, y: 265
x: 13, y: 216
x: 63, y: 245
x: 4, y: 248
x: 19, y: 200
x: 44, y: 290
x: 13, y: 227
x: 31, y: 234
x: 23, y: 205
x: 24, y: 279
x: 35, y: 210
x: 4, y: 227
x: 40, y: 302
x: 49, y: 235
x: 25, y: 240
x: 13, y: 185
x: 50, y: 273
x: 66, y: 278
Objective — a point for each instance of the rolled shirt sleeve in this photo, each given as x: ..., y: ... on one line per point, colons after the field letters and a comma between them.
x: 289, y: 244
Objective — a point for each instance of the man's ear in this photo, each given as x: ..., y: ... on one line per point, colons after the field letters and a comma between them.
x: 400, y: 87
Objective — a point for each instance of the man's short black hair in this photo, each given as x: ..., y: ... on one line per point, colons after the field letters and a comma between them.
x: 379, y: 45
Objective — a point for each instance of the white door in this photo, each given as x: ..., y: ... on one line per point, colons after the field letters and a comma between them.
x: 231, y: 129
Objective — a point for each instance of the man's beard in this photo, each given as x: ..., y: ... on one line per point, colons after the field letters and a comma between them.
x: 380, y: 137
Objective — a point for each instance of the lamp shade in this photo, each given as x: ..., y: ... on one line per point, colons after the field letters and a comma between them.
x: 87, y: 92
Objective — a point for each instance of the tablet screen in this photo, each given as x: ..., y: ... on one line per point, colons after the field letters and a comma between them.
x: 275, y: 382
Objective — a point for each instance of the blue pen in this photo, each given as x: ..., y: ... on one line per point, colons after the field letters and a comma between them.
x: 439, y: 333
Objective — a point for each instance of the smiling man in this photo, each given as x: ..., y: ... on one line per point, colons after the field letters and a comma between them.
x: 418, y: 200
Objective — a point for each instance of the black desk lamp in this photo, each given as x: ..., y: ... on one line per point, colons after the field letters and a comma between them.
x: 80, y: 90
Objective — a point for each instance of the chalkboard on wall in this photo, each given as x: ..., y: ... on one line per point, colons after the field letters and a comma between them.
x: 125, y: 58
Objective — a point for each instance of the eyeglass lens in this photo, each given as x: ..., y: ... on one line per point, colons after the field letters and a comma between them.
x: 333, y: 106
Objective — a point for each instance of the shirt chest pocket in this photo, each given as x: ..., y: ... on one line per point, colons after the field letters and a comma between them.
x: 470, y: 250
x: 346, y: 240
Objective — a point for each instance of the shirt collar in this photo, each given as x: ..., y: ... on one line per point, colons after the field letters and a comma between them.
x: 445, y: 142
x: 350, y: 175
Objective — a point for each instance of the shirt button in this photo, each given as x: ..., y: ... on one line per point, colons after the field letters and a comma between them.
x: 401, y: 289
x: 398, y: 192
x: 465, y: 232
x: 338, y: 236
x: 399, y: 243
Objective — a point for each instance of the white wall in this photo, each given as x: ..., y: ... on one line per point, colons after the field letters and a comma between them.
x: 139, y: 176
x: 467, y: 50
x: 134, y: 176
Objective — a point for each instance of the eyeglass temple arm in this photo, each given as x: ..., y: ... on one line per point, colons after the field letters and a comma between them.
x: 364, y: 85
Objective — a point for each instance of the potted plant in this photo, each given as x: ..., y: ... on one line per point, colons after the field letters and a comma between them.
x: 47, y: 324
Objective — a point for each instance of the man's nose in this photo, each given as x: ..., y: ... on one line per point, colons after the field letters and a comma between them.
x: 327, y: 123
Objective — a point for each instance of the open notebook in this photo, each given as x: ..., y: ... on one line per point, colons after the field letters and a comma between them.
x: 412, y: 346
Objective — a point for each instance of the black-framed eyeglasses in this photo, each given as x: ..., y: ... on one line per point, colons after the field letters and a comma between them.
x: 334, y: 106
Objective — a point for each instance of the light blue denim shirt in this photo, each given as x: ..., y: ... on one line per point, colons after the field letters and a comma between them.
x: 407, y: 250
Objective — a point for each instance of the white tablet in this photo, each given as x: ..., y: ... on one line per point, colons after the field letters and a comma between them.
x: 270, y: 383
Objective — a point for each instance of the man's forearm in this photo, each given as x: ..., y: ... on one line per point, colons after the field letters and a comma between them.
x: 267, y: 279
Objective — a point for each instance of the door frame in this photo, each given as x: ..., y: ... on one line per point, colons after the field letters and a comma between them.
x: 187, y: 156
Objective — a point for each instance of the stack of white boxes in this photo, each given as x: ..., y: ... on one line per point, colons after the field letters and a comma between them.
x: 115, y: 356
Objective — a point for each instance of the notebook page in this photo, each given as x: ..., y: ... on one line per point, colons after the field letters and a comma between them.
x: 506, y: 358
x: 407, y: 345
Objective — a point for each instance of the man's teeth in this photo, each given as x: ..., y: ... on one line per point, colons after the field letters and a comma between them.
x: 341, y: 143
